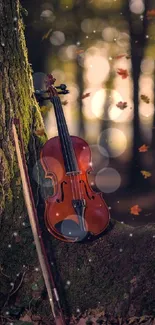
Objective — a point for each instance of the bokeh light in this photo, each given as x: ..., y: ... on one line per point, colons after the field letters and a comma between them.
x: 98, y: 69
x: 109, y: 34
x: 108, y: 180
x: 47, y: 15
x: 57, y: 38
x: 137, y: 6
x: 114, y: 141
x: 123, y: 40
x: 147, y: 66
x: 87, y: 25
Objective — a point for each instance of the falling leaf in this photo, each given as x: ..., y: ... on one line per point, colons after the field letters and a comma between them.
x: 135, y: 210
x: 143, y: 148
x: 65, y: 102
x: 120, y: 56
x: 85, y: 95
x: 145, y: 173
x: 122, y: 105
x: 150, y: 13
x: 47, y: 34
x: 40, y: 132
x: 145, y: 99
x: 123, y: 73
x: 79, y: 51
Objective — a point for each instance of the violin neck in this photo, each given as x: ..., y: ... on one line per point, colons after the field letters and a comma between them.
x: 69, y: 157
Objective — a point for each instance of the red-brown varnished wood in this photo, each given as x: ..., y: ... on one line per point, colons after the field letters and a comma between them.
x: 96, y: 216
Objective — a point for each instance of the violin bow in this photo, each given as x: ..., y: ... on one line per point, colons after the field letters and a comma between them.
x: 30, y: 205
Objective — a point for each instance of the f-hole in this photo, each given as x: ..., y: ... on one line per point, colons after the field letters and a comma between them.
x: 62, y: 192
x: 90, y: 197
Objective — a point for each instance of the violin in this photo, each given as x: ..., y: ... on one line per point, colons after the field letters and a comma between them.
x: 74, y: 212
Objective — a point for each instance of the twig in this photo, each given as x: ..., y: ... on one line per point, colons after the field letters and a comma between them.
x: 19, y: 285
x: 11, y: 292
x: 7, y: 276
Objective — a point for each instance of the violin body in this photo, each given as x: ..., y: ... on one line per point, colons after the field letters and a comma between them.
x: 60, y: 216
x: 74, y: 211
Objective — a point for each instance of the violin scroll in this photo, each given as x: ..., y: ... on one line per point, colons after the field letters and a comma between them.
x: 51, y: 90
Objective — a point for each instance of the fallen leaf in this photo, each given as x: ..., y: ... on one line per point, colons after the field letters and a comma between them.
x: 143, y: 148
x: 145, y: 99
x: 26, y: 318
x: 123, y: 73
x: 45, y: 36
x: 145, y: 173
x: 40, y: 132
x: 135, y: 210
x: 85, y: 95
x: 132, y: 320
x: 134, y: 280
x: 122, y: 105
x: 142, y: 318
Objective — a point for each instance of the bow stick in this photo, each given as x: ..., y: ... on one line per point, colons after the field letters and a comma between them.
x: 29, y: 202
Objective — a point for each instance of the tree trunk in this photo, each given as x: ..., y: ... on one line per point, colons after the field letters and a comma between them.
x: 17, y: 250
x: 101, y: 272
x: 138, y: 42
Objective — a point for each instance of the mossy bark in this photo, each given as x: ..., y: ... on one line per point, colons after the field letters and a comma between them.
x: 16, y: 100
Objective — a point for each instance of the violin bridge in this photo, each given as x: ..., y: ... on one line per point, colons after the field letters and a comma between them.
x: 79, y: 207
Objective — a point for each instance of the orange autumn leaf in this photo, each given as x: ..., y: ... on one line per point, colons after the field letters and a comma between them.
x: 79, y: 51
x: 123, y: 73
x: 135, y: 210
x: 150, y: 13
x: 145, y: 173
x: 40, y: 132
x: 145, y: 99
x: 120, y: 56
x: 143, y: 148
x: 85, y: 95
x: 65, y: 102
x: 45, y: 36
x: 122, y: 105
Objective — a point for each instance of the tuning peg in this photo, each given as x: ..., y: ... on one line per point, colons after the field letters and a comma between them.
x: 64, y: 92
x: 62, y: 87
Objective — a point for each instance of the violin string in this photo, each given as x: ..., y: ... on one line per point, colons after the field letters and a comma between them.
x: 70, y: 151
x: 65, y: 143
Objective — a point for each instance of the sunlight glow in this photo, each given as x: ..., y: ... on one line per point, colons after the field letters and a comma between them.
x: 109, y: 34
x: 147, y: 66
x: 114, y: 139
x: 98, y: 69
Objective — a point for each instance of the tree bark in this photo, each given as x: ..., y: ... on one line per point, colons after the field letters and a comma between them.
x: 17, y: 250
